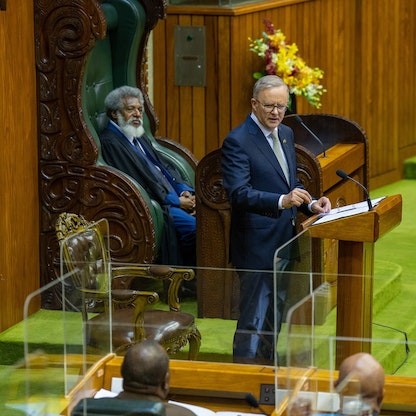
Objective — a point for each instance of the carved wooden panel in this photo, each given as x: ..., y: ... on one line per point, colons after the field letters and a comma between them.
x: 70, y: 178
x: 217, y: 289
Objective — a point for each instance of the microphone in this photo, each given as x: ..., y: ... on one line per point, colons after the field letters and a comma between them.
x: 344, y: 175
x: 300, y: 121
x: 252, y: 401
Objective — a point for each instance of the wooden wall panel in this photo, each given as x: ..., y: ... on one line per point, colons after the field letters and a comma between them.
x: 224, y: 73
x: 239, y: 64
x: 378, y: 85
x: 198, y: 106
x: 19, y: 219
x: 365, y: 48
x: 406, y: 81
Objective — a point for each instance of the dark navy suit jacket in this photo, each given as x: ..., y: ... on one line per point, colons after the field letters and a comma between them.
x: 254, y: 181
x: 117, y: 151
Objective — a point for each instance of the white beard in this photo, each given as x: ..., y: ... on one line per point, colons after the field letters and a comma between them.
x: 129, y: 130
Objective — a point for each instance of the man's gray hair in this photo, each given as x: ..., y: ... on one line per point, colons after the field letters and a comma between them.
x: 268, y: 81
x: 114, y: 100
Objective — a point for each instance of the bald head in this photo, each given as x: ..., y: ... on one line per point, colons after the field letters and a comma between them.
x: 145, y: 369
x: 365, y: 369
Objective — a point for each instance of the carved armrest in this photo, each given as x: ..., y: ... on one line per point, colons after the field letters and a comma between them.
x: 123, y: 297
x: 175, y: 276
x: 133, y: 297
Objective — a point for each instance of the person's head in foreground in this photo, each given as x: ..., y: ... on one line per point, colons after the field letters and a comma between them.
x: 145, y: 369
x: 364, y: 369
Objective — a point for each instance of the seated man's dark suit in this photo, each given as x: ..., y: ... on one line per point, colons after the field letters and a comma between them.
x: 163, y: 184
x: 171, y: 408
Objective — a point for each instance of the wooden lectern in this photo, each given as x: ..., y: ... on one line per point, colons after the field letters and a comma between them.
x: 356, y: 236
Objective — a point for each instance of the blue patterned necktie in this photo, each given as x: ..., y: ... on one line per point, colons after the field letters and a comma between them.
x: 156, y: 171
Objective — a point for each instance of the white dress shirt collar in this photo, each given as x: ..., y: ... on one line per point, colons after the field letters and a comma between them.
x: 264, y: 130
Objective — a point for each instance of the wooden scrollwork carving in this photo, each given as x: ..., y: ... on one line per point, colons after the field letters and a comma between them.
x: 71, y: 180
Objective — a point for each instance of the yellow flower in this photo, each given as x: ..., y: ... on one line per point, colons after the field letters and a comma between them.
x: 282, y: 59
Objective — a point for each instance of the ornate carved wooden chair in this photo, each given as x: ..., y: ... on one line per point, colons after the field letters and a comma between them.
x: 85, y: 253
x: 82, y: 53
x: 117, y: 55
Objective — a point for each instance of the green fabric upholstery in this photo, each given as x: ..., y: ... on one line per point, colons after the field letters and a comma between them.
x: 130, y: 32
x: 112, y: 63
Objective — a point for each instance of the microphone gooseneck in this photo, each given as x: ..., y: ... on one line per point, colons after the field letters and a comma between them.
x: 252, y: 401
x: 344, y: 175
x: 300, y: 121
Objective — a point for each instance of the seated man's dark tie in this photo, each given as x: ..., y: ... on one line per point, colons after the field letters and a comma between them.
x: 157, y: 173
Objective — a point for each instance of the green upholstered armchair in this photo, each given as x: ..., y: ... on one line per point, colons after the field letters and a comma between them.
x: 84, y: 49
x: 112, y: 63
x: 117, y: 55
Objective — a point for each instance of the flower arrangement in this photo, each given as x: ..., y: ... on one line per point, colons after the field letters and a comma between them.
x: 282, y: 59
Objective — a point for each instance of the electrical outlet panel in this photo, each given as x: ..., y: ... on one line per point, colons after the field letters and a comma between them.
x: 267, y: 394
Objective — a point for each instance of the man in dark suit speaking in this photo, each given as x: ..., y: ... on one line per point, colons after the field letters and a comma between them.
x: 259, y: 173
x: 125, y: 145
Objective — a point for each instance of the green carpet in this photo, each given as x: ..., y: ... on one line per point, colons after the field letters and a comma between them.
x: 394, y: 306
x: 398, y: 246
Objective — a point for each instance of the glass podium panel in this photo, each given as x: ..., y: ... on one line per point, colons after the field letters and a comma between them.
x: 58, y: 349
x: 314, y: 341
x: 52, y: 356
x: 55, y: 351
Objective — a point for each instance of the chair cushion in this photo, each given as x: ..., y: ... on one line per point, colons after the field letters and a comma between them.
x: 170, y: 329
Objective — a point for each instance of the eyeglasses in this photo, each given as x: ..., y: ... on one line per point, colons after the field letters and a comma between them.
x: 270, y: 107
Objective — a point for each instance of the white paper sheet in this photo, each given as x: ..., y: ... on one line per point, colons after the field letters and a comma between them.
x: 347, y: 211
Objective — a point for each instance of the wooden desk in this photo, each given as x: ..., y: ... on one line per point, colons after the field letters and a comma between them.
x: 223, y: 386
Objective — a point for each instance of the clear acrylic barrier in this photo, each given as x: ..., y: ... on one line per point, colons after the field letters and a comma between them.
x: 310, y: 341
x: 305, y: 389
x: 55, y: 354
x: 52, y: 355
